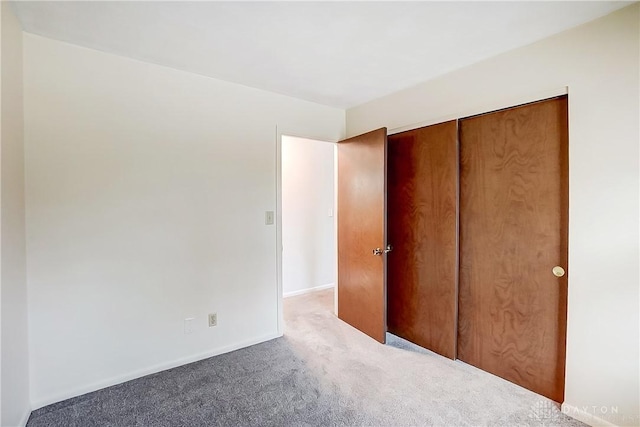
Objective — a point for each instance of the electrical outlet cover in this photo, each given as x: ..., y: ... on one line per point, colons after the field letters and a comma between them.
x: 188, y: 325
x: 213, y: 319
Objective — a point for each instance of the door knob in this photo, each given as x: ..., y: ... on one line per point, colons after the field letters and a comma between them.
x: 557, y: 271
x: 378, y: 251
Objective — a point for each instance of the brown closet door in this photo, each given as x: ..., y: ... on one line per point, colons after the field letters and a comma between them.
x: 421, y: 279
x: 361, y: 229
x: 513, y: 232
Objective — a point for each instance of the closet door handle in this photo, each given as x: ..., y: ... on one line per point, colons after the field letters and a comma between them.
x: 377, y: 251
x: 388, y: 249
x: 557, y: 271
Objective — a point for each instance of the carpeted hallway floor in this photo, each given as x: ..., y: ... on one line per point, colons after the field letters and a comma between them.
x: 322, y: 372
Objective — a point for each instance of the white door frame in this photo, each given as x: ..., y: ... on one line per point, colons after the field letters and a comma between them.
x: 280, y: 132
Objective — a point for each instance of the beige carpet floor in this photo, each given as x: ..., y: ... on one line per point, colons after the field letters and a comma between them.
x: 402, y: 384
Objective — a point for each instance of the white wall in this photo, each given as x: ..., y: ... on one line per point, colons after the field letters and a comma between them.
x: 599, y: 63
x: 146, y: 196
x: 308, y: 229
x: 14, y: 358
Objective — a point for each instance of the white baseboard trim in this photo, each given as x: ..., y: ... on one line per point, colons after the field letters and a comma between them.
x: 585, y: 417
x: 25, y: 418
x: 58, y: 397
x: 308, y: 290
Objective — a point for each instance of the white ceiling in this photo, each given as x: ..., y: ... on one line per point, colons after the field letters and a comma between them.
x: 335, y: 53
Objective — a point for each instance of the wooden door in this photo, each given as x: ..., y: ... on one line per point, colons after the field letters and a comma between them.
x: 361, y: 229
x: 422, y: 221
x: 513, y: 231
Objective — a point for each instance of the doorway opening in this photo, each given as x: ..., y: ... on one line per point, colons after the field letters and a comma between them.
x: 308, y: 215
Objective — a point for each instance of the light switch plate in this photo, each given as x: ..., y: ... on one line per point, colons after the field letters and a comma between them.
x: 269, y: 217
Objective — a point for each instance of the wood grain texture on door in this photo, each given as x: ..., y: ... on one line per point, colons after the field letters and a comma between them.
x: 422, y: 221
x: 361, y: 229
x: 513, y: 231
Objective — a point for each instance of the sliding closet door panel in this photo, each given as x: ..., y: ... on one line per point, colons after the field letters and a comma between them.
x: 421, y: 279
x: 361, y: 229
x: 513, y: 232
